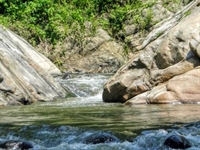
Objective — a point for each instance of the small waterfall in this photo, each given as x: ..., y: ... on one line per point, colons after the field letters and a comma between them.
x: 86, y: 88
x: 85, y: 85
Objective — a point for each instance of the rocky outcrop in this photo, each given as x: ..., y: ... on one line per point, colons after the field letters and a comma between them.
x: 100, y: 53
x: 100, y: 49
x: 158, y: 73
x: 25, y: 75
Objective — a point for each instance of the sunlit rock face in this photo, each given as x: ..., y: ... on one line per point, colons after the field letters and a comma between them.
x: 25, y: 75
x: 179, y: 89
x: 166, y: 70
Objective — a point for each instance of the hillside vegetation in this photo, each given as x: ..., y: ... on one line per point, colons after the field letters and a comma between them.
x: 47, y: 22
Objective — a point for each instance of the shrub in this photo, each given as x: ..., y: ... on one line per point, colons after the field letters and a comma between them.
x: 50, y: 21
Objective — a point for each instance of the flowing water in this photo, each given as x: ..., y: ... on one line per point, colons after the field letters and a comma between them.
x: 66, y: 124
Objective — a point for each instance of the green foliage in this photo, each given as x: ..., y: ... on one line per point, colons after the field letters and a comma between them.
x: 51, y: 21
x: 187, y: 13
x: 38, y: 17
x: 158, y: 34
x: 171, y: 5
x: 69, y: 94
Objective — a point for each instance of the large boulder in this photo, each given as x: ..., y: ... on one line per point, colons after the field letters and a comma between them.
x: 183, y: 88
x: 25, y: 75
x: 180, y: 89
x: 169, y: 50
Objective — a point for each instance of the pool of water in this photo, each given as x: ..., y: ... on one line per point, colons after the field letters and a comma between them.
x: 66, y: 123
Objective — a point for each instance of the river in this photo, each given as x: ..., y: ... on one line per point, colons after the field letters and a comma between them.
x: 64, y: 124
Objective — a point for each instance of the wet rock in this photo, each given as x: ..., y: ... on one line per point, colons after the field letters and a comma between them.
x: 66, y: 75
x: 101, y: 138
x: 177, y: 142
x: 16, y: 145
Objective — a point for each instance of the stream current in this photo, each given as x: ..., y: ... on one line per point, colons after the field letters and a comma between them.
x: 64, y: 124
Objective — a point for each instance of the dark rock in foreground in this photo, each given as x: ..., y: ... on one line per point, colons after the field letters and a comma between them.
x: 100, y: 138
x: 16, y: 145
x: 177, y: 142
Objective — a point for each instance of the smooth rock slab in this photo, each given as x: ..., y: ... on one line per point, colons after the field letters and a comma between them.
x: 26, y: 76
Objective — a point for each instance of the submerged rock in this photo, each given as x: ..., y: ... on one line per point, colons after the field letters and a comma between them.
x: 158, y: 73
x: 16, y: 145
x: 101, y: 138
x: 177, y: 142
x: 26, y: 75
